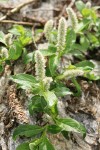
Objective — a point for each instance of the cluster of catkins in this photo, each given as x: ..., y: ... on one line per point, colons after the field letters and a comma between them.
x: 62, y: 27
x: 61, y: 39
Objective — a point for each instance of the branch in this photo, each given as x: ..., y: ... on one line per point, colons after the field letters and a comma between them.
x: 16, y: 9
x: 41, y: 21
x: 17, y: 22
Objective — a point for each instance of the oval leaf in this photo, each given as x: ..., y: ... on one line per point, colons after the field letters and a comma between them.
x: 53, y: 63
x: 54, y: 129
x: 69, y: 124
x: 46, y: 145
x: 25, y: 80
x: 27, y: 130
x: 51, y: 100
x: 23, y: 146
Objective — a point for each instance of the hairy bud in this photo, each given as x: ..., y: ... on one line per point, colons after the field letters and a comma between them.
x: 61, y: 34
x: 88, y: 5
x: 72, y: 17
x: 47, y: 82
x: 4, y: 53
x: 40, y: 65
x: 8, y: 39
x: 47, y: 29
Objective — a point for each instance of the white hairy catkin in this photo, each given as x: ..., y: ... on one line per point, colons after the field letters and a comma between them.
x: 47, y: 29
x: 88, y: 5
x: 8, y: 39
x: 71, y: 73
x: 40, y: 65
x: 4, y: 53
x: 72, y: 17
x: 47, y: 81
x: 61, y: 37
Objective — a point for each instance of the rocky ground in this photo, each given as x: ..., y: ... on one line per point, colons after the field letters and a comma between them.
x: 13, y: 102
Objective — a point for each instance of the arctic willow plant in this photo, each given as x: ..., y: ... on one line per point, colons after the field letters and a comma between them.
x: 45, y: 92
x: 49, y: 83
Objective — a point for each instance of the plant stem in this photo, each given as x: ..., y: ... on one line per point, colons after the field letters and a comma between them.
x: 77, y: 86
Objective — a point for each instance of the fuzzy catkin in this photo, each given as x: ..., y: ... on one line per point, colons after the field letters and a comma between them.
x: 4, y: 53
x: 71, y: 73
x: 72, y: 17
x: 8, y: 39
x: 47, y: 81
x: 47, y: 29
x: 88, y: 5
x: 40, y: 65
x: 61, y: 37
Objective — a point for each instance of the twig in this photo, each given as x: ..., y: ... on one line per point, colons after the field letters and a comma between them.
x: 16, y: 9
x: 45, y: 9
x: 72, y: 3
x: 63, y: 11
x: 17, y: 22
x: 37, y: 20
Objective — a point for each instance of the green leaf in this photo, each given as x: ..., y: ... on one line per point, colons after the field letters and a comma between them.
x: 78, y: 87
x: 15, y: 50
x: 35, y: 144
x: 61, y: 91
x: 51, y: 100
x: 28, y: 57
x: 1, y: 69
x: 69, y: 124
x: 92, y: 76
x: 80, y: 5
x: 84, y: 43
x: 49, y: 52
x: 86, y: 12
x: 27, y: 130
x: 90, y: 14
x: 46, y: 145
x: 37, y: 104
x: 25, y: 35
x: 25, y: 80
x: 93, y: 39
x: 54, y: 129
x: 53, y: 63
x: 70, y: 39
x: 41, y: 144
x: 14, y: 31
x: 83, y: 25
x: 76, y: 48
x: 25, y: 40
x: 66, y: 134
x: 84, y: 64
x: 23, y: 146
x: 18, y: 30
